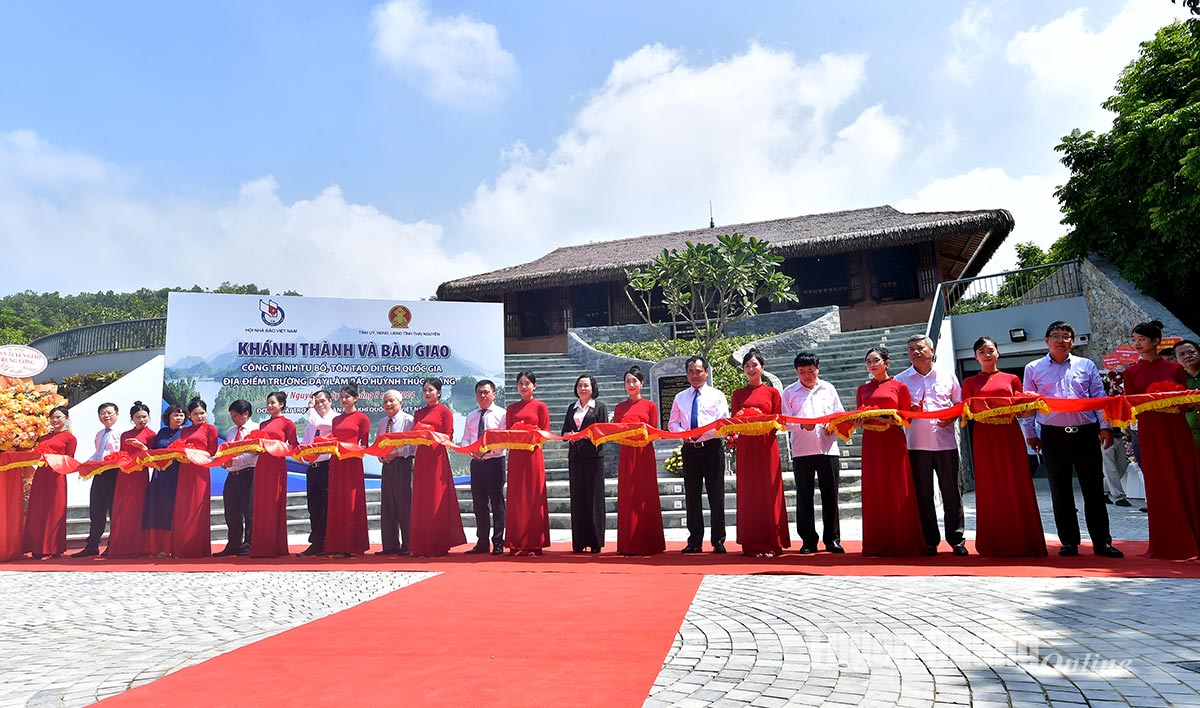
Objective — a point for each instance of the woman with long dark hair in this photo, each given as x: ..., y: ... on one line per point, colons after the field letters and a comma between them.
x: 891, y: 524
x: 346, y: 527
x: 436, y: 525
x: 269, y: 535
x: 1170, y: 462
x: 158, y: 513
x: 762, y: 520
x: 127, y: 539
x: 527, y: 524
x: 191, y: 535
x: 639, y: 508
x: 1007, y: 522
x: 45, y: 533
x: 585, y: 468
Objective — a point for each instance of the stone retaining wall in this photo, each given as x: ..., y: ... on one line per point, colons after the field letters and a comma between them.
x: 1116, y: 305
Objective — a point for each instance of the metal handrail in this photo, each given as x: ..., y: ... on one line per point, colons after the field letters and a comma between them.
x: 149, y: 333
x: 951, y: 293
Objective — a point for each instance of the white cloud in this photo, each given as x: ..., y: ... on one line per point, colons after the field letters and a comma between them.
x: 456, y: 59
x: 971, y: 43
x: 759, y: 134
x: 104, y: 232
x: 1030, y: 199
x: 1073, y: 66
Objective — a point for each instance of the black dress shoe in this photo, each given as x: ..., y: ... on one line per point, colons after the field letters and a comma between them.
x: 244, y: 550
x: 498, y: 550
x: 403, y: 551
x: 1068, y: 550
x: 86, y: 552
x: 386, y: 552
x: 719, y: 547
x: 834, y: 547
x: 961, y: 550
x: 310, y: 551
x: 1122, y: 502
x: 1107, y: 499
x: 807, y: 550
x: 692, y: 549
x: 929, y: 551
x: 1108, y: 551
x: 227, y: 551
x: 478, y: 549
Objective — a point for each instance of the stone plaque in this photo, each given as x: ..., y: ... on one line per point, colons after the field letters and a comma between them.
x: 668, y: 387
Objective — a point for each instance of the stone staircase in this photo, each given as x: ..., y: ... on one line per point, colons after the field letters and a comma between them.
x: 841, y: 364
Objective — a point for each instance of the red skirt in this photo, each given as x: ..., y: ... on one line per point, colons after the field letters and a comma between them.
x: 436, y: 522
x: 346, y: 521
x: 891, y: 524
x: 191, y: 532
x: 762, y: 519
x: 127, y: 539
x: 1171, y: 467
x: 1007, y: 520
x: 527, y: 520
x: 46, y: 519
x: 269, y: 515
x: 11, y: 501
x: 639, y: 509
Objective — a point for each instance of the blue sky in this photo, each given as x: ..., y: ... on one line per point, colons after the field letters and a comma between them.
x: 377, y: 149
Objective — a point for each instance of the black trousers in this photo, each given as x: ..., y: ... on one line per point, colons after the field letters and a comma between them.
x: 238, y: 497
x: 317, y: 491
x: 945, y: 463
x: 1063, y: 451
x: 586, y: 484
x: 487, y: 495
x: 100, y: 505
x: 826, y: 469
x: 395, y: 513
x: 704, y: 469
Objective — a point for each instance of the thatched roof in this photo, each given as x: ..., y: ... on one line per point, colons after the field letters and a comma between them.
x: 974, y: 237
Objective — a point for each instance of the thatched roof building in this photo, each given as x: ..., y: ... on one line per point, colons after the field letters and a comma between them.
x: 862, y: 260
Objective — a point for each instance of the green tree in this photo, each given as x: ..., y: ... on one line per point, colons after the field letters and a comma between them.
x: 1134, y: 192
x: 707, y: 287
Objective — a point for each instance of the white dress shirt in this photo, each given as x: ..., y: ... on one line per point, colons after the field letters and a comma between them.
x: 799, y: 401
x: 245, y: 460
x: 105, y: 445
x: 317, y: 426
x: 401, y: 423
x: 580, y: 412
x: 494, y: 418
x: 713, y: 405
x: 936, y: 390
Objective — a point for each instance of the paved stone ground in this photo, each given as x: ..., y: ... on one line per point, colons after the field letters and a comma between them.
x: 70, y: 639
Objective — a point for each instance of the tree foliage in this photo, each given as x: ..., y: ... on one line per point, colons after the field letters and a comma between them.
x: 1134, y: 192
x: 1193, y: 5
x: 27, y: 315
x: 707, y: 287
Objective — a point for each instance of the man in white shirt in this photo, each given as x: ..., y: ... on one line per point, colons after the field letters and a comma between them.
x: 104, y: 485
x: 238, y: 494
x: 320, y: 423
x: 395, y: 512
x: 487, y: 471
x: 933, y: 446
x: 814, y: 451
x: 703, y: 456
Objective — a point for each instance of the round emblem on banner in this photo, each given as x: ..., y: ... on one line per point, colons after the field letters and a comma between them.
x: 21, y: 362
x: 272, y: 313
x: 400, y: 316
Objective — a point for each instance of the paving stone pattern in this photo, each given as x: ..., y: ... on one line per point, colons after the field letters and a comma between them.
x: 70, y: 639
x: 943, y: 641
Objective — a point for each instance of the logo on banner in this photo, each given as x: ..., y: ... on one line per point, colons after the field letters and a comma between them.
x: 400, y: 316
x: 272, y: 313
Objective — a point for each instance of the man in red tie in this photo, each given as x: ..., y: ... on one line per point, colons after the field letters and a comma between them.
x: 238, y: 493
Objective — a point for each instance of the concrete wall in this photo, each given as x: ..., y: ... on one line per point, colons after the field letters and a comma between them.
x: 1032, y: 318
x: 1116, y: 306
x: 109, y: 361
x: 803, y: 337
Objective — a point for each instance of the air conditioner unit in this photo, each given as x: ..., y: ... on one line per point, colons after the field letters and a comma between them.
x: 1082, y: 339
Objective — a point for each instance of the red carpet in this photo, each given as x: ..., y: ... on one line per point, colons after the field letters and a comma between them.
x: 512, y: 639
x: 557, y: 560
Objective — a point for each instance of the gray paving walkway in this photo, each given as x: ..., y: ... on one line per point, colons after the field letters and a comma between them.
x: 70, y: 639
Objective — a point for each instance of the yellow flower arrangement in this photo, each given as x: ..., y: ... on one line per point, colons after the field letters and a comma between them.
x: 25, y: 414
